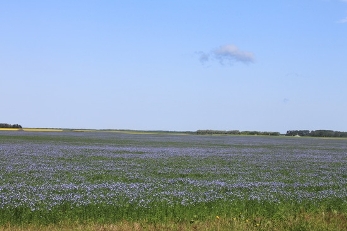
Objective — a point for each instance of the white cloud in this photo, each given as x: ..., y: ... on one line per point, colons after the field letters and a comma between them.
x: 343, y: 20
x: 232, y: 53
x: 227, y: 54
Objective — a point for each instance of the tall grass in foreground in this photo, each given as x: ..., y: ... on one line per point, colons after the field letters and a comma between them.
x: 328, y: 215
x: 301, y: 221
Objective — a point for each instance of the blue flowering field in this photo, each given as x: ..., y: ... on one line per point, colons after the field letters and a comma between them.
x: 49, y: 177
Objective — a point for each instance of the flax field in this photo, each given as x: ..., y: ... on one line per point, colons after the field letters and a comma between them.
x: 102, y: 178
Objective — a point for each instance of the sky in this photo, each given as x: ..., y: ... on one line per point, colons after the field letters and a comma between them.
x: 178, y: 65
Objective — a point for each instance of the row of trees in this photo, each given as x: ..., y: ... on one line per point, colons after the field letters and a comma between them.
x: 235, y: 132
x: 316, y: 133
x: 4, y: 125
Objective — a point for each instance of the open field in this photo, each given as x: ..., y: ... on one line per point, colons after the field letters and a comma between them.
x: 42, y: 130
x: 119, y: 181
x: 134, y: 132
x: 10, y: 129
x: 32, y: 129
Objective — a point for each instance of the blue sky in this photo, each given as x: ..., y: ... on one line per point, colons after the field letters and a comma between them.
x: 174, y: 65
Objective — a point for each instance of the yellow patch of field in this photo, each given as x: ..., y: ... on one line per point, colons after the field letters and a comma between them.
x: 10, y: 129
x: 42, y: 130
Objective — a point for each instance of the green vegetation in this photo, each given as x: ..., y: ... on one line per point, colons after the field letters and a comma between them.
x: 301, y: 221
x: 316, y: 133
x: 5, y: 125
x: 235, y: 132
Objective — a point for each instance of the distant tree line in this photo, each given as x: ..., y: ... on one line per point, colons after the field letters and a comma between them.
x: 4, y: 125
x: 316, y: 133
x: 235, y: 132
